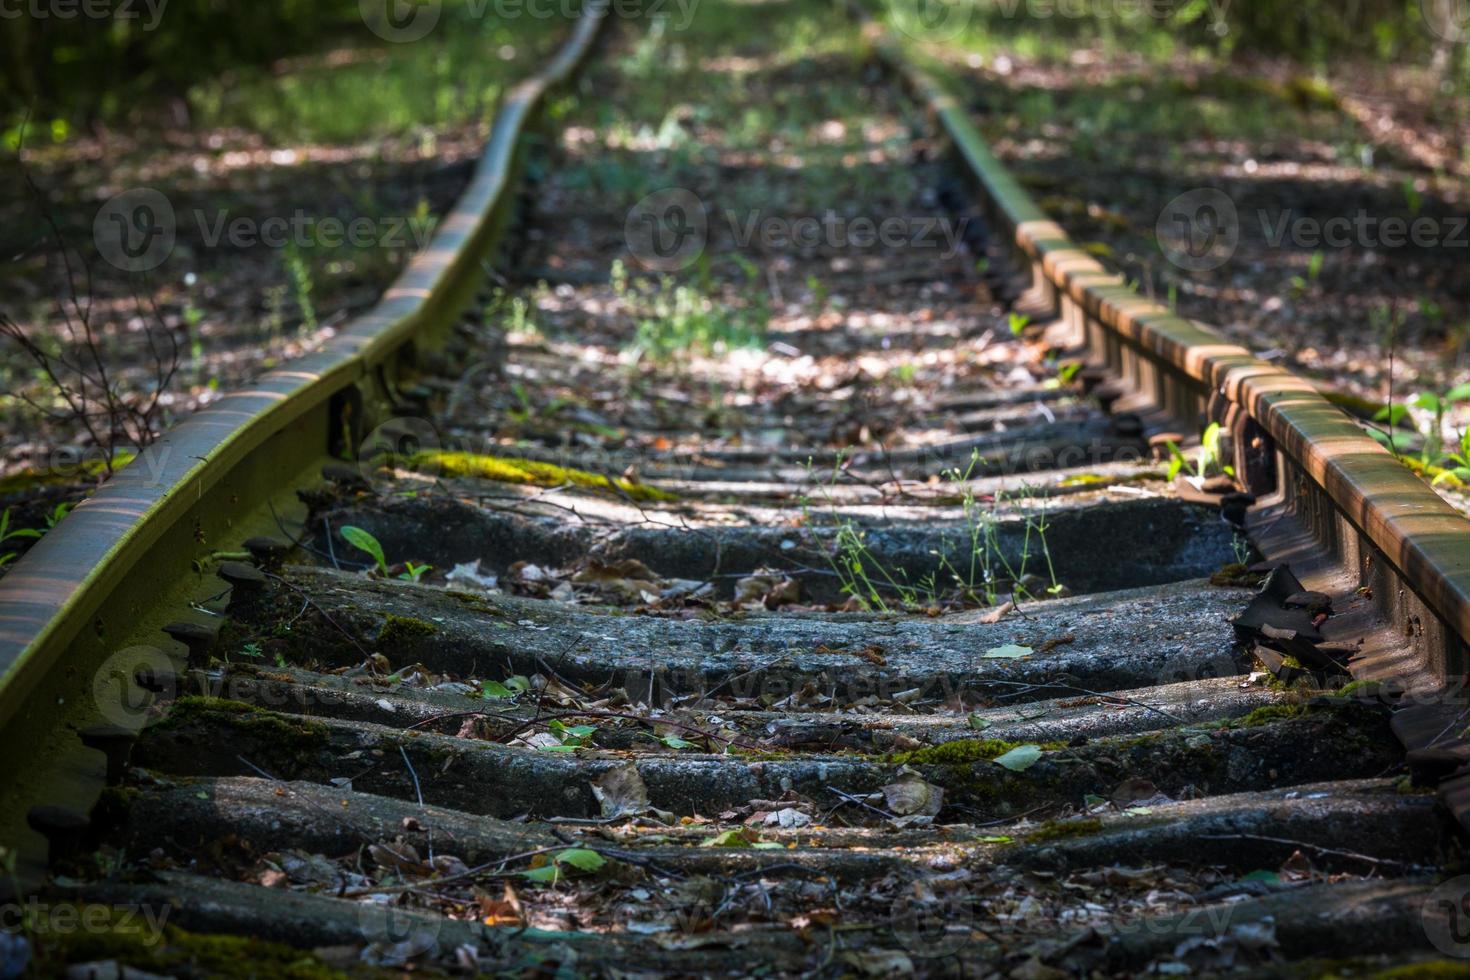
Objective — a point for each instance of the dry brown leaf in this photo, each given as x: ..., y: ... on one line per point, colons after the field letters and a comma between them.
x: 621, y: 792
x: 911, y: 795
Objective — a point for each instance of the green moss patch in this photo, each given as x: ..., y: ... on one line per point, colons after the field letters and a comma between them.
x: 506, y: 470
x: 280, y: 729
x: 399, y: 631
x: 174, y: 952
x: 1064, y: 830
x: 1236, y: 575
x: 965, y: 751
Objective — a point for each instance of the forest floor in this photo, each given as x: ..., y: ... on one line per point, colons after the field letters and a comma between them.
x: 1106, y: 131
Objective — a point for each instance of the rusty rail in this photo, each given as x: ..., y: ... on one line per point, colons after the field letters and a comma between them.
x: 1407, y: 545
x: 92, y: 585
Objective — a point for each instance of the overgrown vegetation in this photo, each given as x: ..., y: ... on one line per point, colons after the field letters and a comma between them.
x: 978, y: 569
x: 1443, y: 459
x: 675, y: 318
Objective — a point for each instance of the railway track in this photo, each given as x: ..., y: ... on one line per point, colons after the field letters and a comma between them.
x: 874, y: 641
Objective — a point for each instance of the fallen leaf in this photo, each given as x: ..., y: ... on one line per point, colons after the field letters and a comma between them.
x: 470, y: 575
x: 1019, y: 759
x: 1052, y: 644
x: 998, y: 613
x: 770, y: 588
x: 621, y: 792
x: 911, y: 795
x: 1011, y: 651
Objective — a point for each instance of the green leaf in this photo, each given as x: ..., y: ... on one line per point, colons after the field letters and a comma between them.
x: 1092, y: 800
x: 1459, y: 393
x: 993, y: 840
x: 581, y: 858
x: 1021, y: 758
x: 730, y: 838
x: 518, y: 683
x: 1393, y: 414
x: 675, y: 742
x: 495, y: 689
x: 1011, y: 651
x: 768, y: 845
x: 558, y: 748
x: 365, y: 542
x: 1429, y: 401
x: 550, y: 873
x: 977, y: 722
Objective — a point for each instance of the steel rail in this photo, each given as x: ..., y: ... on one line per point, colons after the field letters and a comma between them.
x: 1359, y: 503
x: 98, y: 580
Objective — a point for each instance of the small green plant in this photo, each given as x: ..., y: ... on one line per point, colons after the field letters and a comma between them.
x: 1443, y: 461
x: 365, y: 542
x: 413, y: 572
x: 512, y: 312
x: 252, y: 650
x: 570, y: 737
x: 193, y: 317
x: 1018, y: 323
x: 1241, y: 546
x: 1300, y: 284
x: 57, y: 514
x: 301, y: 285
x: 1206, y: 461
x: 1413, y: 200
x: 19, y: 534
x: 818, y: 291
x: 978, y: 569
x: 673, y: 318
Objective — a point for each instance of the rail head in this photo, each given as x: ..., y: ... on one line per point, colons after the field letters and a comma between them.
x: 1421, y: 534
x: 63, y: 586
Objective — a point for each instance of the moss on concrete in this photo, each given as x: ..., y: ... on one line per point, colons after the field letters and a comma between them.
x: 399, y: 631
x: 508, y: 470
x: 965, y: 751
x: 1064, y: 830
x: 133, y: 943
x: 283, y: 730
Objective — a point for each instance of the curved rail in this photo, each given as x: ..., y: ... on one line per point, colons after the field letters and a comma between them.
x: 83, y: 585
x: 1188, y: 374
